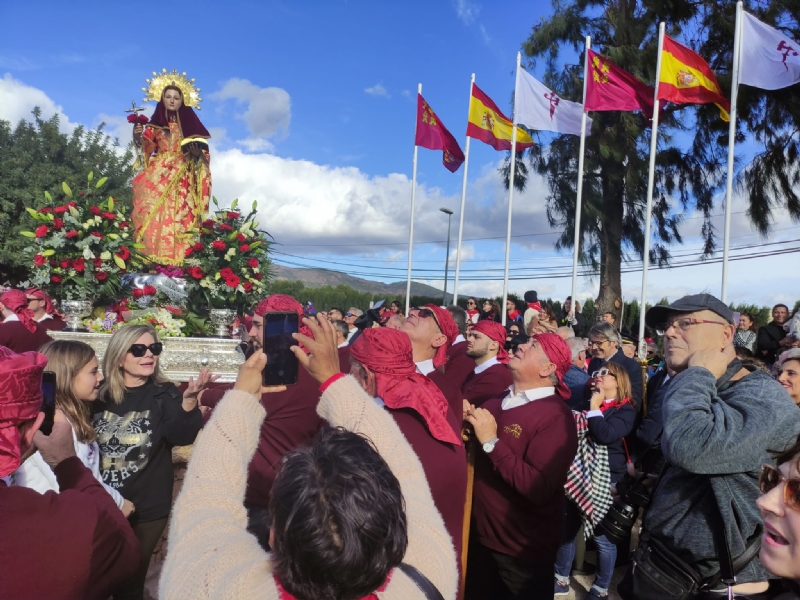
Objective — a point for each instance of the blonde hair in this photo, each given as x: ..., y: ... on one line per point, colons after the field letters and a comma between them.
x: 118, y: 346
x: 623, y: 381
x: 66, y: 358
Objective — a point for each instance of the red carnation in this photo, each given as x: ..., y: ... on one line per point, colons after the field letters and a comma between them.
x: 253, y: 263
x: 124, y: 253
x: 198, y: 247
x: 39, y: 260
x: 137, y: 293
x: 216, y: 244
x: 81, y: 194
x: 124, y: 225
x: 58, y: 223
x: 97, y: 234
x: 233, y: 215
x: 101, y: 275
x: 232, y: 281
x: 248, y: 286
x: 95, y: 210
x: 227, y: 272
x: 72, y: 234
x: 257, y: 275
x: 73, y: 204
x: 45, y: 209
x: 55, y: 278
x: 109, y: 215
x: 60, y: 210
x: 142, y: 119
x: 207, y: 224
x: 196, y: 272
x: 225, y: 227
x: 41, y: 231
x: 79, y: 264
x: 149, y: 290
x: 188, y: 252
x: 65, y: 263
x: 240, y: 237
x: 97, y: 262
x: 244, y: 247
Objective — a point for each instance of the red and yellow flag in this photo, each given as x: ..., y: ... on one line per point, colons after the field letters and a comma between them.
x: 432, y: 134
x: 489, y: 125
x: 687, y: 79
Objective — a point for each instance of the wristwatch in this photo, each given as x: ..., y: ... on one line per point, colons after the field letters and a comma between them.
x: 489, y: 446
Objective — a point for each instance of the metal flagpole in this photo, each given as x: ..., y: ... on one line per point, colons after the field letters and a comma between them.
x: 463, y: 199
x: 737, y: 50
x: 413, y: 199
x: 650, y: 179
x: 510, y: 194
x: 576, y: 245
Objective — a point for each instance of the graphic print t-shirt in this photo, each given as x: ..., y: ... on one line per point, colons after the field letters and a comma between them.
x: 136, y: 439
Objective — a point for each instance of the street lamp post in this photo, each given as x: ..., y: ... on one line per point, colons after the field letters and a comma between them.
x: 449, y: 214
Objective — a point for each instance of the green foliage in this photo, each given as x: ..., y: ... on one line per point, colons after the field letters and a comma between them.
x: 325, y: 297
x: 35, y: 158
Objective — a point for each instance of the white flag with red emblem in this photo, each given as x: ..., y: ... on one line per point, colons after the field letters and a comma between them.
x: 770, y: 60
x: 537, y: 107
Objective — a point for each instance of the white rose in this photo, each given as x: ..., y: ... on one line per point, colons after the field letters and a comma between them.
x: 106, y: 255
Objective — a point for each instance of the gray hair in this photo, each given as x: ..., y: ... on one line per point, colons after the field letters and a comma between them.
x: 342, y: 327
x: 787, y: 355
x: 355, y: 311
x: 607, y: 331
x: 576, y: 346
x: 459, y: 317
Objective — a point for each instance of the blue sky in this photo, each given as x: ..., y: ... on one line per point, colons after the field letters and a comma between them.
x: 312, y: 107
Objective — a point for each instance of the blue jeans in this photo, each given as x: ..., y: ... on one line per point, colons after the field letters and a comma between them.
x: 606, y: 551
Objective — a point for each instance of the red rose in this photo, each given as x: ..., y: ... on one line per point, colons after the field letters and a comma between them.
x: 248, y: 286
x: 207, y: 224
x: 226, y: 272
x: 216, y: 244
x: 81, y: 194
x: 97, y: 262
x: 79, y: 264
x: 232, y: 281
x: 132, y: 118
x: 60, y: 210
x: 45, y: 210
x: 41, y: 231
x: 65, y: 263
x: 58, y: 223
x: 101, y: 275
x: 225, y: 227
x: 97, y: 234
x: 244, y: 247
x: 124, y: 253
x: 198, y: 247
x: 253, y: 263
x: 95, y: 210
x: 72, y: 234
x: 240, y: 237
x: 137, y: 293
x: 39, y: 260
x: 142, y: 119
x: 124, y: 225
x: 257, y: 276
x: 196, y: 272
x: 55, y: 278
x: 73, y: 204
x: 188, y: 252
x: 233, y: 215
x: 149, y: 290
x: 109, y: 215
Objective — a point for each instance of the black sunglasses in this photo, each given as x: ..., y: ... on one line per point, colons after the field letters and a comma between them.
x: 427, y: 313
x: 139, y: 350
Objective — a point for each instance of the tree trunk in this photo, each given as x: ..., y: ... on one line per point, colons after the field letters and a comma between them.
x: 609, y: 298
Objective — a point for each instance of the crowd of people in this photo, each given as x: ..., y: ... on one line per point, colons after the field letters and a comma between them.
x: 434, y: 454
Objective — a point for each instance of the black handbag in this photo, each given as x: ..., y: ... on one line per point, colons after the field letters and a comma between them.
x: 422, y: 582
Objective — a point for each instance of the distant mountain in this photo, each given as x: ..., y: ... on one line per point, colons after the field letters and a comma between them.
x: 322, y: 277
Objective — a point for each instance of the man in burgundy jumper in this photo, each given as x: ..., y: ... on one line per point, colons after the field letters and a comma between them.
x: 432, y: 332
x: 528, y: 441
x: 459, y: 365
x: 43, y: 310
x: 19, y: 331
x: 59, y: 546
x: 383, y: 365
x: 490, y: 376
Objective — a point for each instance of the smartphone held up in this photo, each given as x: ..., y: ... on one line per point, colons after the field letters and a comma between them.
x: 282, y: 365
x: 48, y: 401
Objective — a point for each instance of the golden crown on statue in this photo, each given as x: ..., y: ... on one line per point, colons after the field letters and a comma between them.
x: 191, y: 94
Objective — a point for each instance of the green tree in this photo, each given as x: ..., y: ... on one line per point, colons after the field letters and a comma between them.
x: 36, y: 157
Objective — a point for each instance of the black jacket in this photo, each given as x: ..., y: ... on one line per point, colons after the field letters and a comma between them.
x: 767, y: 342
x: 609, y: 431
x: 631, y: 366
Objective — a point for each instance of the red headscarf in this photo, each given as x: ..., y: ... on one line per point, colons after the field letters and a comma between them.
x: 282, y: 302
x: 495, y: 332
x: 448, y: 327
x: 387, y: 353
x: 20, y: 401
x: 560, y: 355
x: 17, y: 302
x: 40, y: 294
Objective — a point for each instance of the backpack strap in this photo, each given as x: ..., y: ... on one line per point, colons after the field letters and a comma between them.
x: 422, y: 582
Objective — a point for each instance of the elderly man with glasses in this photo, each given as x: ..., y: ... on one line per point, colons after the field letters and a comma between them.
x: 350, y: 318
x: 605, y: 345
x: 720, y: 420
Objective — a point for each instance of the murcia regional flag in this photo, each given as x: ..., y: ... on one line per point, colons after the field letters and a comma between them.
x: 489, y: 125
x: 770, y: 60
x: 538, y: 108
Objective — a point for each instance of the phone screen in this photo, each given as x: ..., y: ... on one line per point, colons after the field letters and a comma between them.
x: 282, y: 364
x: 48, y: 401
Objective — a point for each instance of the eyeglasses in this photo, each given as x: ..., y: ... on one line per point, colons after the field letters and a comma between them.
x: 32, y: 299
x: 683, y: 324
x: 770, y: 479
x: 592, y: 343
x: 139, y: 350
x: 349, y: 315
x: 602, y: 373
x: 470, y: 303
x: 426, y: 313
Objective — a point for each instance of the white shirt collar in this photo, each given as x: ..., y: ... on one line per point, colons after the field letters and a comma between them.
x: 489, y: 363
x: 10, y: 318
x: 343, y: 344
x: 45, y: 317
x: 515, y: 399
x: 426, y: 366
x: 459, y: 338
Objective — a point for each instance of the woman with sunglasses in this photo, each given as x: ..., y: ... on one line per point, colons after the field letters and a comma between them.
x: 780, y: 510
x: 473, y: 314
x: 611, y: 416
x: 140, y: 415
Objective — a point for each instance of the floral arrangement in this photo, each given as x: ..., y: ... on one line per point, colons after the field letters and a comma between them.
x: 165, y: 321
x: 80, y: 249
x: 228, y: 266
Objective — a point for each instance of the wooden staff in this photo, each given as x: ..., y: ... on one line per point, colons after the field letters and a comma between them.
x: 470, y: 448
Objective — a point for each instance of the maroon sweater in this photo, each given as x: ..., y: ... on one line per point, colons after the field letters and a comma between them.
x: 452, y: 393
x: 76, y: 544
x: 490, y: 383
x: 54, y: 324
x: 15, y: 335
x: 519, y: 486
x: 459, y: 365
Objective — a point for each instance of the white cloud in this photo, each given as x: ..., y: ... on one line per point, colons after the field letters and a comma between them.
x: 406, y: 93
x: 117, y: 126
x: 17, y: 100
x: 467, y: 251
x: 467, y: 11
x: 377, y: 90
x: 268, y: 113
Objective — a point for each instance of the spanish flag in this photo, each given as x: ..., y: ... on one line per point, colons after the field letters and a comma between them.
x: 489, y: 125
x: 687, y: 79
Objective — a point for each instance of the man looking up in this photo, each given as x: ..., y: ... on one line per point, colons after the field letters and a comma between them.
x: 576, y: 377
x: 490, y: 376
x: 528, y: 441
x: 350, y: 318
x: 19, y: 331
x: 604, y: 344
x: 342, y: 331
x: 459, y: 365
x: 721, y: 421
